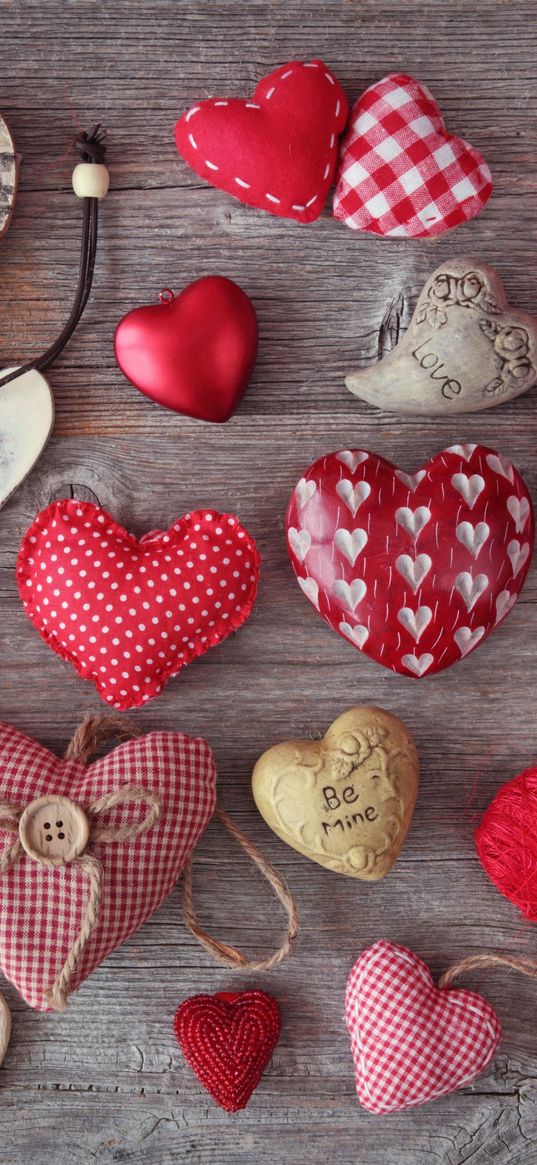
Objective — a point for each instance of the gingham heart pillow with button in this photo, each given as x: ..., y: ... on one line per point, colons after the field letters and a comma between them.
x: 400, y: 173
x: 412, y: 1042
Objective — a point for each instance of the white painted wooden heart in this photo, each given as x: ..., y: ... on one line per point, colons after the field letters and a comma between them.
x: 26, y: 419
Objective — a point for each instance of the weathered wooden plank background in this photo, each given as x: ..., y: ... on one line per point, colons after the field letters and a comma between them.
x: 106, y: 1082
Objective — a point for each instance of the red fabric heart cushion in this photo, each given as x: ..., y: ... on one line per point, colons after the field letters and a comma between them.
x: 194, y: 353
x: 277, y: 151
x: 41, y: 909
x: 506, y: 842
x: 228, y: 1039
x: 417, y: 569
x: 129, y: 614
x: 400, y: 173
x: 412, y: 1042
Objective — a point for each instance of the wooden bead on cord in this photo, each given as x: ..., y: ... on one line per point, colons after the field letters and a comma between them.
x: 90, y: 180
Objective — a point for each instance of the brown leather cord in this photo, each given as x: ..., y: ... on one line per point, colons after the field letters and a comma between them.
x: 485, y: 962
x: 227, y: 955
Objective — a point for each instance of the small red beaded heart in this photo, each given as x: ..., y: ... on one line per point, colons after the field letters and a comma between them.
x: 126, y: 613
x: 228, y: 1039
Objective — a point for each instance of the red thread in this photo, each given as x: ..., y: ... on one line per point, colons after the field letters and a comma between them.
x: 506, y: 842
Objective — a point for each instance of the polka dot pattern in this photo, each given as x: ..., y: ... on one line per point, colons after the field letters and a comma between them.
x: 129, y: 614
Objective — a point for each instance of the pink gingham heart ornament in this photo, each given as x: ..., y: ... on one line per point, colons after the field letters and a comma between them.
x: 42, y: 909
x: 415, y: 570
x: 400, y: 173
x: 411, y: 1041
x: 129, y: 613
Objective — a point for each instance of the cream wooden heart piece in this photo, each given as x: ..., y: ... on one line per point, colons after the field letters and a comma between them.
x: 345, y: 801
x: 8, y: 176
x: 466, y: 348
x: 5, y: 1027
x: 26, y: 419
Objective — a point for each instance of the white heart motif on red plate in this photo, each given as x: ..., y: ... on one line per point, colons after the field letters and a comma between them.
x: 412, y: 1042
x: 416, y: 569
x: 130, y: 614
x: 400, y: 173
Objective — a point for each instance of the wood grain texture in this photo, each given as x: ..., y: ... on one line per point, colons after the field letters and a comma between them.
x: 105, y: 1082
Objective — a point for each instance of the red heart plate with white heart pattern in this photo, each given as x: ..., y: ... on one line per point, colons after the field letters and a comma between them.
x: 129, y: 614
x: 415, y: 570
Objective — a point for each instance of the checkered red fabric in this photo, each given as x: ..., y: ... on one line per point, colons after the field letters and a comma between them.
x: 41, y: 909
x: 412, y: 1042
x: 400, y: 173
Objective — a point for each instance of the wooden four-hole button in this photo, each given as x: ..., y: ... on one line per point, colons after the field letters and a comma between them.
x: 54, y: 830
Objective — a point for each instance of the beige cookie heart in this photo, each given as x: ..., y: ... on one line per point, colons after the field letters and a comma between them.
x: 466, y: 348
x: 5, y: 1027
x: 345, y: 801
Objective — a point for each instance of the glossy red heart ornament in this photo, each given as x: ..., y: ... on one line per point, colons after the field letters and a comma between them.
x: 228, y: 1039
x: 412, y: 1042
x: 277, y: 150
x: 415, y: 570
x: 194, y: 353
x: 126, y: 613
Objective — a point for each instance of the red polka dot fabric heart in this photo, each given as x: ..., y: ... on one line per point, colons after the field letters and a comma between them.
x: 400, y: 173
x: 42, y: 909
x: 415, y: 570
x: 277, y: 151
x: 412, y: 1042
x: 228, y: 1039
x: 129, y: 614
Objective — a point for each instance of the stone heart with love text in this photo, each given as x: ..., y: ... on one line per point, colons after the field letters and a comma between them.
x: 345, y: 801
x: 415, y: 570
x: 466, y: 349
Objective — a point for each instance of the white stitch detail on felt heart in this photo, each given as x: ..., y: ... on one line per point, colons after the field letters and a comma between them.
x: 311, y: 201
x: 466, y: 639
x: 350, y: 543
x: 469, y: 588
x: 272, y: 198
x: 221, y: 103
x: 413, y: 521
x: 357, y: 634
x: 468, y: 487
x: 294, y: 207
x: 269, y: 94
x: 252, y: 105
x: 332, y: 140
x: 351, y: 595
x: 299, y: 541
x: 352, y: 458
x: 326, y: 171
x: 473, y: 538
x: 310, y: 589
x: 211, y: 165
x: 191, y: 112
x: 338, y: 107
x: 329, y: 78
x: 418, y: 664
x: 304, y: 491
x: 518, y: 555
x: 192, y: 141
x: 284, y: 76
x: 353, y: 496
x: 415, y: 622
x: 241, y: 182
x: 519, y: 509
x: 414, y: 572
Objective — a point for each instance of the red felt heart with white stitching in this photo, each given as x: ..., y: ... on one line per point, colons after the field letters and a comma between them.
x: 417, y: 569
x: 411, y: 1041
x: 277, y: 150
x: 42, y: 909
x: 128, y: 613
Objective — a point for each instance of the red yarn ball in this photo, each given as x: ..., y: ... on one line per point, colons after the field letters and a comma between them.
x: 506, y: 842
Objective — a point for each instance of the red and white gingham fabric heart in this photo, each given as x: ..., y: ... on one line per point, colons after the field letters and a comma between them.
x: 130, y: 614
x: 277, y: 150
x: 41, y: 909
x: 412, y: 1042
x: 400, y: 173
